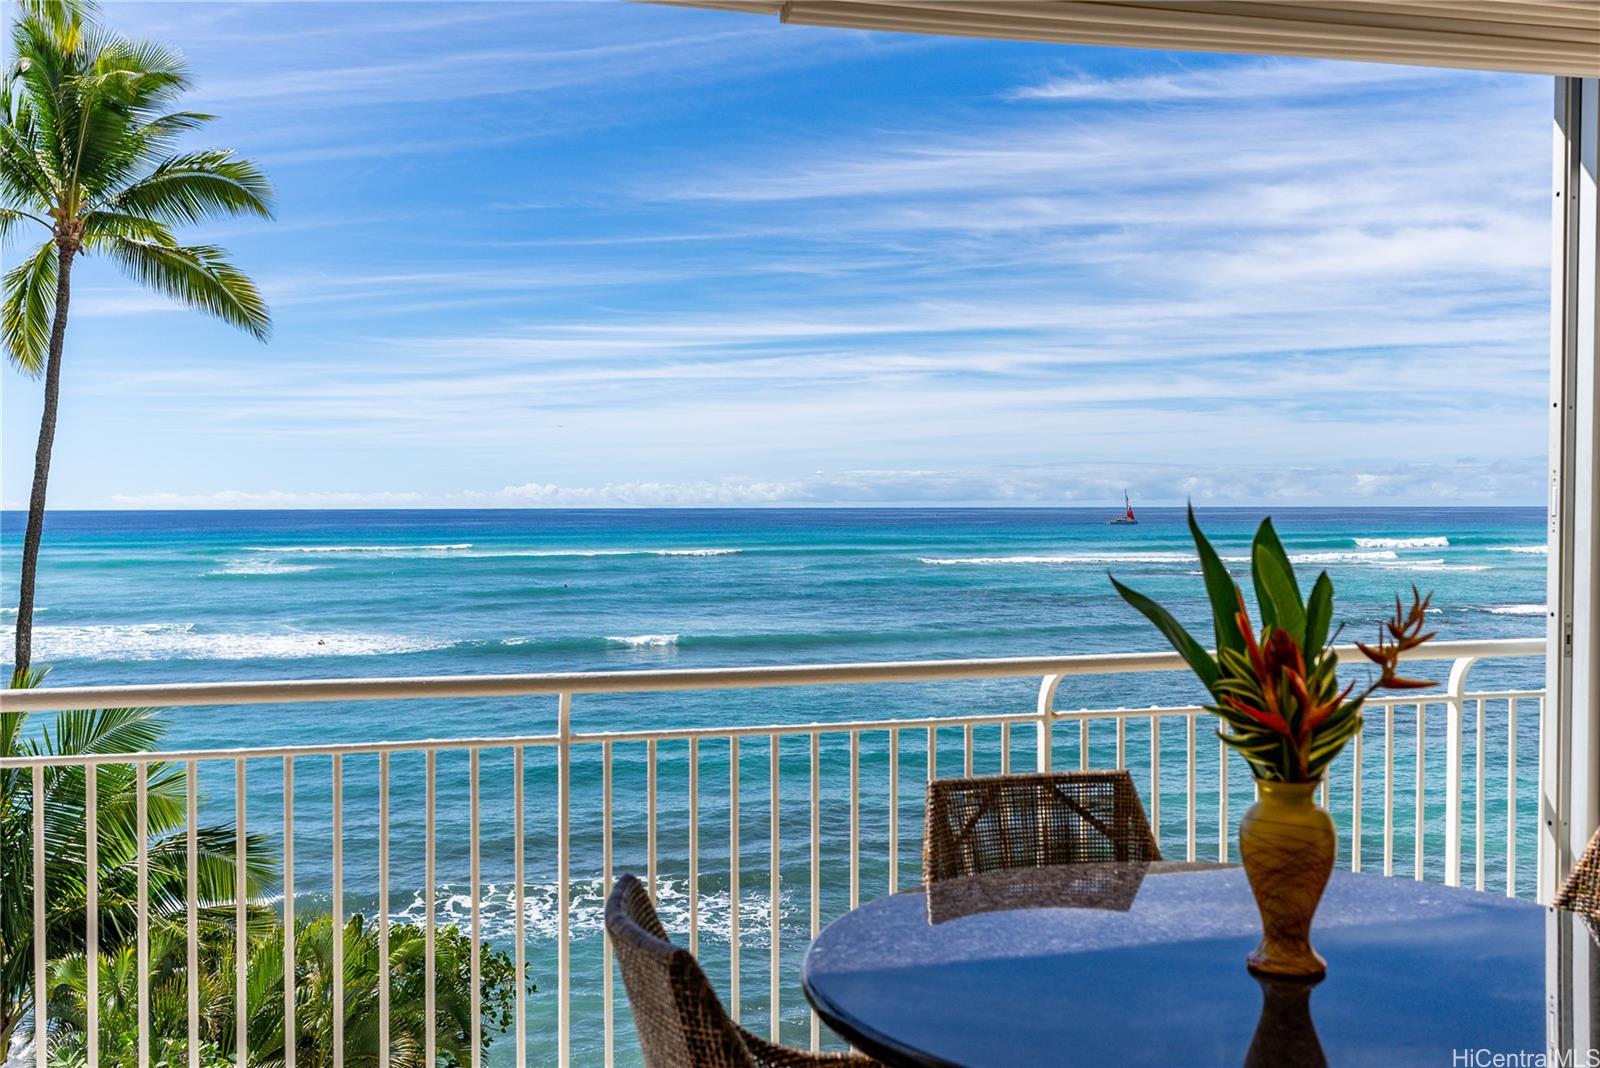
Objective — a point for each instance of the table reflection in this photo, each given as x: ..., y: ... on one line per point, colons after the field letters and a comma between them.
x: 1110, y: 886
x: 1076, y: 886
x: 1285, y: 1033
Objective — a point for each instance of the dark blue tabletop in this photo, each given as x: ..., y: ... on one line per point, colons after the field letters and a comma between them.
x: 1134, y: 964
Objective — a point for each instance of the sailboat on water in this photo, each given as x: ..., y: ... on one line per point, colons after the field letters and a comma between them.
x: 1127, y: 517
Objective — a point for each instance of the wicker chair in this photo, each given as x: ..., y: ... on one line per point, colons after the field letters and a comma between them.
x: 681, y: 1023
x: 1031, y: 821
x: 1581, y: 891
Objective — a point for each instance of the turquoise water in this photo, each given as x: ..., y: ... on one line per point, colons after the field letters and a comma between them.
x: 131, y: 597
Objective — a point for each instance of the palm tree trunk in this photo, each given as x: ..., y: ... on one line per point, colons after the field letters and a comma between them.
x: 41, y: 463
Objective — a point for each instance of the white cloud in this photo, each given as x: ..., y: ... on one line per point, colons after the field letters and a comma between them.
x: 1245, y: 80
x: 1470, y: 482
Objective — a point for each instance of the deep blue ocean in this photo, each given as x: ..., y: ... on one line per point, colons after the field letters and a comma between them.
x: 195, y: 596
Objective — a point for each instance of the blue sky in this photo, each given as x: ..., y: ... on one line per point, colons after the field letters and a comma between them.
x: 611, y: 254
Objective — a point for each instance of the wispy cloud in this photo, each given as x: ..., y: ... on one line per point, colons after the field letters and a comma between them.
x: 603, y: 255
x: 1248, y: 80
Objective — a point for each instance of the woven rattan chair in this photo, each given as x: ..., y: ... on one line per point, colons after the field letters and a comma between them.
x: 1030, y: 821
x: 1581, y: 891
x: 681, y: 1023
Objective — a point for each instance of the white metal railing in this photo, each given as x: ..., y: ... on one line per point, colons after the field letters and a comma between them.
x: 872, y: 851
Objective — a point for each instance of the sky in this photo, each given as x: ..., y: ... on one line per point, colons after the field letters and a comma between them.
x: 604, y: 254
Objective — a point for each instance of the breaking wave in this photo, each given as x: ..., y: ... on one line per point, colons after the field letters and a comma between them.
x: 1403, y: 543
x: 183, y: 641
x: 1359, y: 556
x: 467, y: 549
x: 1529, y: 550
x: 1517, y: 610
x: 1066, y: 558
x: 261, y: 567
x: 1338, y: 556
x: 643, y: 641
x: 586, y: 903
x: 462, y: 547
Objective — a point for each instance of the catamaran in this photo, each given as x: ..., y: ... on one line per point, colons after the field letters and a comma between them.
x: 1125, y: 517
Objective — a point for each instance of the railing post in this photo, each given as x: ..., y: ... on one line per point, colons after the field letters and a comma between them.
x: 1455, y: 703
x: 1046, y: 724
x: 563, y: 875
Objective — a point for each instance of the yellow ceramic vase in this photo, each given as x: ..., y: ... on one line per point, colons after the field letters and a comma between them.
x: 1287, y: 843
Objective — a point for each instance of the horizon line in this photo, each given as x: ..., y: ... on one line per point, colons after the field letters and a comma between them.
x: 838, y: 507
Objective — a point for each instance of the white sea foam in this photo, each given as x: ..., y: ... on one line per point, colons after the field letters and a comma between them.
x: 469, y: 550
x: 1340, y: 556
x: 1432, y: 565
x: 1528, y: 550
x: 1066, y: 558
x: 261, y: 567
x: 587, y: 906
x: 600, y: 552
x: 643, y: 641
x: 1359, y: 556
x: 182, y: 641
x: 1403, y: 543
x: 1518, y: 610
x: 694, y: 552
x: 461, y: 547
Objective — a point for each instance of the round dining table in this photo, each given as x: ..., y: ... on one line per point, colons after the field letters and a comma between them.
x: 1099, y: 964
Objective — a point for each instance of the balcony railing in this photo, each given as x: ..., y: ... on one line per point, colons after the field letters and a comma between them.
x: 750, y: 836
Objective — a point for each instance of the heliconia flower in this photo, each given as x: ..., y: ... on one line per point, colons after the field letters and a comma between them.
x: 1315, y: 719
x: 1270, y: 720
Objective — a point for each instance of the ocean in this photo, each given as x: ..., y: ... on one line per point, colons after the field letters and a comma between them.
x: 196, y: 596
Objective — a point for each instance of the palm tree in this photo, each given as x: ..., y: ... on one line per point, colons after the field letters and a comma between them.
x: 88, y: 152
x: 103, y: 731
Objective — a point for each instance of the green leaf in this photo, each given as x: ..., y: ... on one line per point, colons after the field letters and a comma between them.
x: 1192, y: 651
x: 1319, y: 615
x: 1276, y: 588
x: 1221, y: 588
x: 1329, y: 744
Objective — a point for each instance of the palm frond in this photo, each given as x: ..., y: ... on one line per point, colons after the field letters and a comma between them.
x: 26, y: 177
x: 196, y: 275
x: 191, y: 187
x: 65, y: 18
x: 102, y: 226
x: 30, y: 304
x: 104, y: 731
x: 12, y: 220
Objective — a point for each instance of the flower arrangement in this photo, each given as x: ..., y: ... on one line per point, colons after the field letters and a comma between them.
x: 1277, y: 691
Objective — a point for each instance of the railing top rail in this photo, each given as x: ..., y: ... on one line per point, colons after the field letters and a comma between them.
x: 297, y: 691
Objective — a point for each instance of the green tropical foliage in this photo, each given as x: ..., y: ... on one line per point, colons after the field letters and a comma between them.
x: 101, y: 731
x: 313, y: 1045
x: 1278, y: 692
x: 131, y: 730
x: 91, y: 156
